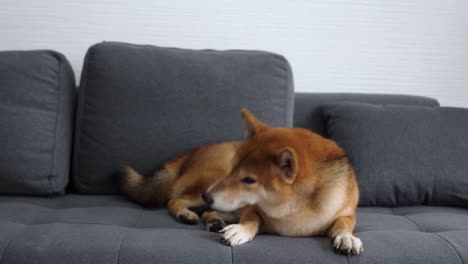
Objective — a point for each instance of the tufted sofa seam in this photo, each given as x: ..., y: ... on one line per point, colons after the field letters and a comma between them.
x: 414, y: 222
x: 125, y: 234
x: 232, y: 255
x: 421, y: 213
x: 392, y: 212
x: 396, y: 230
x: 452, y: 230
x: 411, y: 220
x: 370, y: 230
x: 450, y: 245
x: 120, y: 246
x: 9, y: 241
x: 67, y: 208
x: 57, y: 109
x: 451, y: 213
x: 101, y: 224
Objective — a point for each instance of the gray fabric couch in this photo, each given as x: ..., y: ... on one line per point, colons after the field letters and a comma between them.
x: 89, y: 222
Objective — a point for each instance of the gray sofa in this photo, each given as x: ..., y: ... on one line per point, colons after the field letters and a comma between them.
x: 138, y: 105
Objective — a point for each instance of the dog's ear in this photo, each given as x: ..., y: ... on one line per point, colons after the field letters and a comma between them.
x: 252, y: 125
x: 286, y: 160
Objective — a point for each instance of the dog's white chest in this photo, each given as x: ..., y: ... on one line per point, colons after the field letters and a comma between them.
x: 307, y: 221
x: 308, y: 224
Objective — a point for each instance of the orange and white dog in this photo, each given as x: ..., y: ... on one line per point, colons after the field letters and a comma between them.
x: 284, y: 181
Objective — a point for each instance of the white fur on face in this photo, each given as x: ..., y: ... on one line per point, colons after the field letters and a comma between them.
x: 229, y: 201
x: 226, y: 199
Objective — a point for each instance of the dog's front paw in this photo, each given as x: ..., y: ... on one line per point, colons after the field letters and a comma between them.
x: 347, y: 244
x: 187, y: 217
x: 233, y: 235
x: 215, y: 225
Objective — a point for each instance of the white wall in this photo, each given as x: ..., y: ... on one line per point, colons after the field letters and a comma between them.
x: 372, y: 46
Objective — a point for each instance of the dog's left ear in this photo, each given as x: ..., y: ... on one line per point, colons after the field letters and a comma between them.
x: 252, y: 124
x: 286, y: 160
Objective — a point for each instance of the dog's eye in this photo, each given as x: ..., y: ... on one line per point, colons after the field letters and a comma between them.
x: 248, y: 180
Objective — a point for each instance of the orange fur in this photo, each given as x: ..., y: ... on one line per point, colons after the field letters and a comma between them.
x: 179, y: 185
x: 285, y: 181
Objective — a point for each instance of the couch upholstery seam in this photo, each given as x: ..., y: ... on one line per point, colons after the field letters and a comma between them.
x: 451, y: 213
x: 286, y: 79
x: 57, y: 109
x: 8, y: 243
x: 110, y: 225
x: 451, y: 230
x: 125, y: 233
x: 397, y: 230
x: 286, y: 96
x: 286, y: 99
x: 232, y: 255
x: 66, y: 208
x: 412, y: 221
x: 120, y: 246
x: 450, y: 245
x: 416, y: 224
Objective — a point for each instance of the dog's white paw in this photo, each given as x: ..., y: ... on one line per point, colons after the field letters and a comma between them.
x: 347, y: 244
x: 236, y: 234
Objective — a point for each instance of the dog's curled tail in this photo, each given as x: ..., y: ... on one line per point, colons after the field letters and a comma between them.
x: 148, y: 191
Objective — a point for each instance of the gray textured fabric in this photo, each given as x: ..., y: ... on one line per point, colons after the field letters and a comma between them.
x: 458, y: 239
x: 307, y: 106
x: 404, y: 155
x: 110, y: 229
x: 37, y: 90
x: 380, y: 246
x: 173, y: 246
x: 140, y: 105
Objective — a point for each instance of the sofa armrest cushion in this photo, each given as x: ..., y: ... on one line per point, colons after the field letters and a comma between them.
x: 404, y: 155
x: 37, y: 90
x: 141, y: 104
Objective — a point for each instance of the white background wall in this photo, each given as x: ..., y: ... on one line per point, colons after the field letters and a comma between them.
x: 372, y: 46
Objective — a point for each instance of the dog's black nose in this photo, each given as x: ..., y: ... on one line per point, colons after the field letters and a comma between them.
x: 207, y: 198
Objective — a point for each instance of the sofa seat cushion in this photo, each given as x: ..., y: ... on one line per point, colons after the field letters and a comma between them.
x: 99, y: 229
x: 109, y: 229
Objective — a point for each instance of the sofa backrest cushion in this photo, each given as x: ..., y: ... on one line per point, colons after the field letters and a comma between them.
x: 307, y: 106
x: 37, y: 90
x: 140, y: 105
x: 404, y: 155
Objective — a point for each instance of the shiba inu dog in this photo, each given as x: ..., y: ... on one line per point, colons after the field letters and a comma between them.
x: 284, y: 181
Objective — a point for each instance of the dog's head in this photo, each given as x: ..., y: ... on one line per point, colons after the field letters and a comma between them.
x: 264, y: 169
